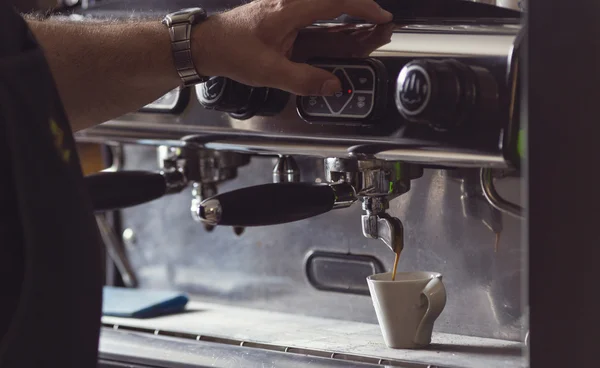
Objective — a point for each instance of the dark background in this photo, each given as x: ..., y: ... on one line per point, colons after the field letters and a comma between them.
x: 564, y: 81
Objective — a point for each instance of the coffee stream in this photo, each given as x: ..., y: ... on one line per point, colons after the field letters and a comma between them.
x: 496, y: 242
x: 395, y: 265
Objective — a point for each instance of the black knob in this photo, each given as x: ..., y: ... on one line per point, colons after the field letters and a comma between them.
x: 239, y: 100
x: 441, y: 93
x: 224, y: 94
x: 275, y: 102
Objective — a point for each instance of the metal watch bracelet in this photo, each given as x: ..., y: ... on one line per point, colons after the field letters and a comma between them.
x: 180, y: 26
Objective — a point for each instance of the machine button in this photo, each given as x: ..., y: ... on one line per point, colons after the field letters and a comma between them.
x: 363, y: 97
x: 362, y: 78
x: 339, y: 100
x: 360, y: 105
x: 315, y: 105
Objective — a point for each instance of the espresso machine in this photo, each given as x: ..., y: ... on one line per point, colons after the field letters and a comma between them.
x: 270, y: 210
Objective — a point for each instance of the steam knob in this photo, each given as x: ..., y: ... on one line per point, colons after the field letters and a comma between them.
x: 224, y: 94
x: 440, y: 93
x: 275, y: 102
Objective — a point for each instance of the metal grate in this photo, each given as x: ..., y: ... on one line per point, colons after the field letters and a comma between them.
x: 279, y: 348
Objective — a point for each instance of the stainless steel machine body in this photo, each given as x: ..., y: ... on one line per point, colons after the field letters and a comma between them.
x: 454, y: 218
x: 289, y: 134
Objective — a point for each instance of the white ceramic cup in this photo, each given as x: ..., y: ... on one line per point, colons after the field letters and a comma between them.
x: 407, y: 307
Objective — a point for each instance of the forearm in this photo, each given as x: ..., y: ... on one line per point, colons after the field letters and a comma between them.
x: 104, y: 70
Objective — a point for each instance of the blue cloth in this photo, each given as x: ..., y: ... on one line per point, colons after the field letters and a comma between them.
x: 141, y: 303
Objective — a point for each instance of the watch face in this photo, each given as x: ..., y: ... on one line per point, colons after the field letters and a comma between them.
x: 192, y: 15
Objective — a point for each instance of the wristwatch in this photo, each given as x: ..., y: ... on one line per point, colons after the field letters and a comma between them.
x: 180, y: 26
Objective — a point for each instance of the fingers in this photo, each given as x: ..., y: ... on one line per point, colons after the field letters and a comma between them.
x: 328, y: 44
x: 368, y: 10
x: 296, y: 78
x: 262, y: 55
x: 341, y: 44
x: 307, y: 12
x: 379, y: 36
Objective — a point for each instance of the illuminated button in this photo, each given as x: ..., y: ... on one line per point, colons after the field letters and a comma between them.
x: 360, y: 105
x: 362, y: 78
x: 315, y: 105
x: 339, y: 100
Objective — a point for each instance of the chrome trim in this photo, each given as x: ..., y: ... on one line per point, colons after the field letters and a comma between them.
x: 118, y: 158
x: 417, y: 43
x: 116, y: 252
x: 286, y: 170
x: 161, y: 104
x: 265, y: 145
x: 210, y: 211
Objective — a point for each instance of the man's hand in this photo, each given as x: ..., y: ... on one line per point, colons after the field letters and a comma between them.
x: 253, y: 43
x: 106, y: 69
x: 341, y: 41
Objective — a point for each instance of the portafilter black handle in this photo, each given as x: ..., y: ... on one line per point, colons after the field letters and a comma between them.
x: 121, y: 189
x: 272, y: 204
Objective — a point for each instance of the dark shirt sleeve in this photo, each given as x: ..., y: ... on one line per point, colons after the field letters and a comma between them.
x: 13, y: 31
x: 50, y: 252
x: 12, y: 42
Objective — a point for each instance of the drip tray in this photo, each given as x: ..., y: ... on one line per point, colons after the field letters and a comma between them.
x: 213, y: 335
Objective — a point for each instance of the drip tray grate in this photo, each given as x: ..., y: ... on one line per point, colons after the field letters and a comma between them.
x: 273, y: 347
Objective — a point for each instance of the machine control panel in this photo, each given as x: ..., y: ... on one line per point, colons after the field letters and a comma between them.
x: 355, y: 99
x: 441, y: 102
x: 360, y: 101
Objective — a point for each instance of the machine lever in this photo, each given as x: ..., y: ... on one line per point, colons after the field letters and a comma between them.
x: 272, y: 204
x: 115, y: 190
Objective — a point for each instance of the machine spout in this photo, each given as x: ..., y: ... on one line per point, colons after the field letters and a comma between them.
x: 386, y: 228
x: 376, y: 183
